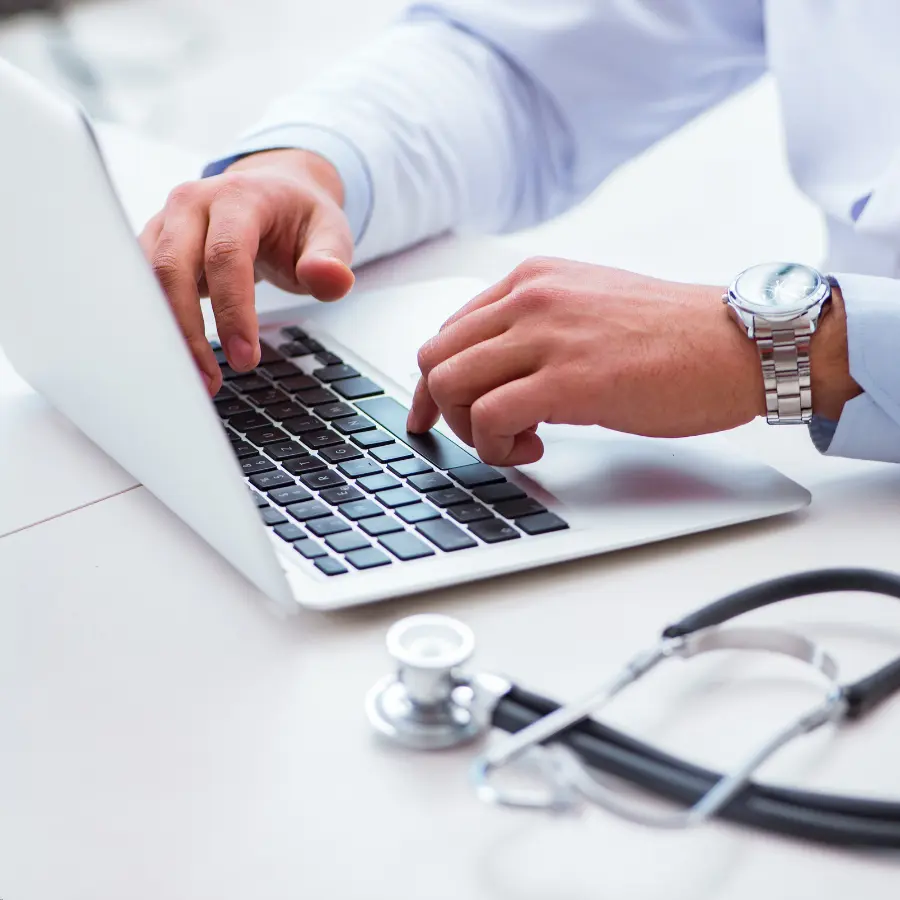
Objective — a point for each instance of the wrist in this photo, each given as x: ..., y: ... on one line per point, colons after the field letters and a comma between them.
x: 300, y: 163
x: 832, y: 384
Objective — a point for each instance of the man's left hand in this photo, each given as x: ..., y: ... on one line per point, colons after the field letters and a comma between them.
x: 566, y: 342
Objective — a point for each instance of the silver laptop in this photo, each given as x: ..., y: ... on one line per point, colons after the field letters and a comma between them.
x: 301, y: 474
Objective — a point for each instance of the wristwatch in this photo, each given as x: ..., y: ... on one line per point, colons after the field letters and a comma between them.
x: 779, y: 305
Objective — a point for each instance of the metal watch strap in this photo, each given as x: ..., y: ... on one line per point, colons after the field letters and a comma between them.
x: 784, y: 354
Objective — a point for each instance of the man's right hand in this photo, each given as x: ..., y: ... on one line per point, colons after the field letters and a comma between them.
x: 275, y: 215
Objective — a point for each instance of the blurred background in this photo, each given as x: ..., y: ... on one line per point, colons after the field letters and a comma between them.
x: 187, y: 72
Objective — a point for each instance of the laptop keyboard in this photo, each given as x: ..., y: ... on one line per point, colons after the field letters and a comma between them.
x: 335, y: 474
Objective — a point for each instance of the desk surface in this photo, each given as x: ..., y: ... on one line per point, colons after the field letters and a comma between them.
x: 165, y: 737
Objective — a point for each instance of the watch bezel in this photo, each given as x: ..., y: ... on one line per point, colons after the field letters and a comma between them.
x: 779, y: 314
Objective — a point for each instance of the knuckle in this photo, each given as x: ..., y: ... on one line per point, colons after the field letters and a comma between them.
x: 441, y: 381
x: 536, y: 267
x: 183, y: 195
x: 425, y: 356
x: 232, y: 186
x: 533, y: 300
x: 166, y: 266
x: 222, y: 253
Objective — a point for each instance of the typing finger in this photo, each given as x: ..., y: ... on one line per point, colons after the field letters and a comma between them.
x: 177, y: 260
x: 231, y: 247
x: 324, y: 264
x: 504, y: 422
x: 424, y: 412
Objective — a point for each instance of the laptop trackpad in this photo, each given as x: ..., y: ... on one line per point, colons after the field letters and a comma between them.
x: 591, y: 468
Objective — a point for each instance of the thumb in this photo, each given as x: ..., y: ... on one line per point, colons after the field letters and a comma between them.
x: 325, y: 256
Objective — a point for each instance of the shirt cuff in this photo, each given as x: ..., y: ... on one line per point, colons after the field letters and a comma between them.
x: 869, y: 426
x: 342, y: 153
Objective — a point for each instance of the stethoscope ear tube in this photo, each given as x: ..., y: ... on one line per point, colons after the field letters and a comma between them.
x: 824, y: 818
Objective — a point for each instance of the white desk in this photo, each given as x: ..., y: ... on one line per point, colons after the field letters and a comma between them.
x: 164, y: 737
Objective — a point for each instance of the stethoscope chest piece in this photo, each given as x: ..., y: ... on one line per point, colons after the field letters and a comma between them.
x: 428, y: 704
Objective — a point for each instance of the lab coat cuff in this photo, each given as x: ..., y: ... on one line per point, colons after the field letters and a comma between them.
x: 869, y: 426
x: 342, y: 153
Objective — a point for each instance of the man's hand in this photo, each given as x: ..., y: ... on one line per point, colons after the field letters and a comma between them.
x: 566, y: 342
x: 274, y: 215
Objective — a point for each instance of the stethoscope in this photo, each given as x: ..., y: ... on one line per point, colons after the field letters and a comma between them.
x: 430, y: 703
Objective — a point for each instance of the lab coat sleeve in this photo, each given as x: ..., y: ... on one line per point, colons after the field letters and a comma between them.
x: 491, y: 117
x: 869, y: 426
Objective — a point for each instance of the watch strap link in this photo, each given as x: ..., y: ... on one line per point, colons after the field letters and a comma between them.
x: 784, y: 354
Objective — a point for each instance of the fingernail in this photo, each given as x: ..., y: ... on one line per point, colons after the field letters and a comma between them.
x: 241, y: 353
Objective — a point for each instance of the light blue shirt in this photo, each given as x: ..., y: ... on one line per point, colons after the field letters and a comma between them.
x: 494, y: 116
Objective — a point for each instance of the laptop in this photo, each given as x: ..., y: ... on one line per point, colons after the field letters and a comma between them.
x: 301, y: 474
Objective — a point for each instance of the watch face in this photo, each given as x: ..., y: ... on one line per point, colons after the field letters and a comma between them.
x: 778, y: 289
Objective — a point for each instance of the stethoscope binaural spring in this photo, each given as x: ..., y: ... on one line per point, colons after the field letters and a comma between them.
x: 432, y: 703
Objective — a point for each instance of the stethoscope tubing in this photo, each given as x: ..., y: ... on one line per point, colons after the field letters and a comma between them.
x: 824, y: 818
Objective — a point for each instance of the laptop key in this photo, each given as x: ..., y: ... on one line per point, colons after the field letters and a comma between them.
x: 448, y: 497
x: 257, y: 499
x: 282, y: 411
x: 242, y: 449
x: 231, y: 406
x: 248, y: 420
x: 360, y: 509
x: 285, y: 496
x: 347, y: 541
x: 295, y: 332
x: 495, y: 493
x: 369, y: 439
x: 515, y: 509
x: 406, y: 546
x: 367, y: 559
x: 327, y: 358
x: 330, y: 566
x: 327, y: 525
x: 401, y: 496
x: 440, y: 451
x: 446, y: 535
x: 232, y: 436
x: 294, y: 348
x: 320, y: 480
x: 290, y: 532
x: 335, y: 373
x: 406, y: 467
x: 542, y: 523
x: 269, y: 397
x: 305, y: 512
x: 318, y: 439
x: 469, y: 512
x: 281, y: 369
x: 380, y: 482
x: 316, y: 397
x: 286, y: 450
x: 273, y: 516
x: 380, y: 525
x: 340, y: 453
x: 356, y: 468
x: 476, y: 475
x: 353, y: 424
x: 256, y: 464
x: 302, y: 424
x: 247, y: 383
x: 418, y: 512
x: 356, y: 388
x: 267, y: 481
x: 263, y: 436
x: 346, y: 493
x: 390, y: 452
x: 313, y: 344
x: 334, y: 411
x: 298, y: 383
x: 268, y: 355
x: 429, y: 481
x: 310, y: 549
x: 228, y: 374
x: 493, y: 531
x: 304, y: 465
